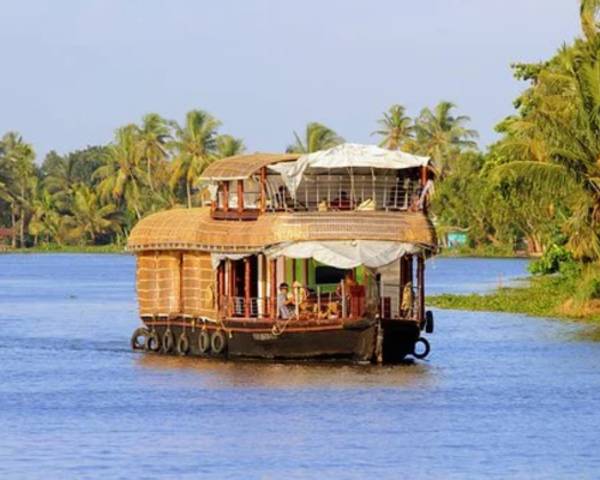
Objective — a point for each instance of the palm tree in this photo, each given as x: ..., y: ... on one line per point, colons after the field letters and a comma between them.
x: 121, y: 176
x: 19, y: 157
x: 562, y: 106
x: 228, y: 146
x: 395, y: 129
x: 196, y: 147
x: 317, y: 137
x: 442, y: 136
x: 588, y: 13
x: 89, y: 217
x: 153, y: 136
x: 46, y: 221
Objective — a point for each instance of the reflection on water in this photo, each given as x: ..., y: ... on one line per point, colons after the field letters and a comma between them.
x: 501, y: 396
x: 247, y: 373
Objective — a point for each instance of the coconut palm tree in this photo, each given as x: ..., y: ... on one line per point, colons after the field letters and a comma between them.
x: 195, y: 145
x: 46, y: 221
x: 588, y: 14
x: 154, y: 135
x: 19, y: 157
x: 442, y: 136
x: 89, y: 218
x: 395, y: 128
x: 317, y: 137
x: 228, y: 146
x: 121, y: 177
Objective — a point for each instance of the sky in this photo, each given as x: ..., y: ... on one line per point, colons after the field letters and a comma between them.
x: 72, y: 71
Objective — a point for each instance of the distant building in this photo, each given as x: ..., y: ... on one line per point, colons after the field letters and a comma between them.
x: 457, y: 239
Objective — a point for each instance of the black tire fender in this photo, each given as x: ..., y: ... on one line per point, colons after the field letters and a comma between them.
x: 429, y: 324
x: 204, y: 341
x: 425, y: 352
x: 141, y: 332
x: 152, y: 342
x: 183, y: 345
x: 167, y: 341
x: 218, y: 342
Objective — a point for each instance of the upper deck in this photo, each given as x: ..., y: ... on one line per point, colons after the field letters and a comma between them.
x: 246, y: 186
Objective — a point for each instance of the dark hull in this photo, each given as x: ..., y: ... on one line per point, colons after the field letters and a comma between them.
x: 358, y: 343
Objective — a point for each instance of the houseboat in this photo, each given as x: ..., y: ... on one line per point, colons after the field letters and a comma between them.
x: 293, y: 256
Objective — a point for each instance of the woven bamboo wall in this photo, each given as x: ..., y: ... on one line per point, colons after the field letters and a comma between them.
x: 158, y: 282
x: 198, y: 285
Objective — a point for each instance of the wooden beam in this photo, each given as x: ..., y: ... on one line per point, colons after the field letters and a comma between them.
x: 263, y: 189
x: 240, y: 195
x: 225, y: 196
x: 273, y: 276
x: 247, y: 276
x: 424, y: 174
x: 421, y: 285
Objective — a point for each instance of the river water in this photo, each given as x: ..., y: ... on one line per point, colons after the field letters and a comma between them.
x: 501, y: 395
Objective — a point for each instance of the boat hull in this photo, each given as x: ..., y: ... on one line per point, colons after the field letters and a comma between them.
x: 357, y: 342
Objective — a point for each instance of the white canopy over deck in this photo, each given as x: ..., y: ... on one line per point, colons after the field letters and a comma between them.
x: 347, y: 155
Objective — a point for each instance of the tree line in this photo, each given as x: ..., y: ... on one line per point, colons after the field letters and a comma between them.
x: 96, y: 195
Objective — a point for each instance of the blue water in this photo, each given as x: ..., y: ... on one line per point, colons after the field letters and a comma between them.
x: 501, y: 396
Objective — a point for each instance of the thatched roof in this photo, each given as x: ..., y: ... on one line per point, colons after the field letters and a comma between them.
x: 194, y: 229
x: 240, y: 167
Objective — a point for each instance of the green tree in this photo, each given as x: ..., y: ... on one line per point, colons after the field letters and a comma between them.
x: 317, y: 137
x: 89, y: 218
x: 18, y: 159
x: 442, y: 136
x: 228, y: 146
x: 154, y: 135
x: 121, y: 176
x: 395, y: 128
x: 195, y: 145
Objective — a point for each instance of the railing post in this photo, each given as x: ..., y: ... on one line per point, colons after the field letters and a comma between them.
x: 247, y: 277
x: 421, y: 281
x: 344, y: 307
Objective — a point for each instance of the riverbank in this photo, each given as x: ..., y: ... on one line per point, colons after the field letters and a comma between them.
x: 484, y: 251
x: 548, y: 296
x: 68, y: 249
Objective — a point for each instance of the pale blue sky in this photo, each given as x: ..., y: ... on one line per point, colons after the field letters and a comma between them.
x: 73, y: 71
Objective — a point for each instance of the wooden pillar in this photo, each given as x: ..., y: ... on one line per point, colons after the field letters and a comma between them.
x: 293, y: 270
x: 273, y: 293
x: 421, y: 284
x: 225, y: 196
x: 220, y: 286
x: 213, y: 202
x: 305, y: 265
x: 401, y: 276
x: 247, y: 276
x: 424, y: 176
x: 240, y: 195
x: 263, y: 189
x: 230, y: 287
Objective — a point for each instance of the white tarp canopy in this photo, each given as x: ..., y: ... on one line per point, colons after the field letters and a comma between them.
x: 345, y: 254
x: 216, y: 258
x: 347, y: 155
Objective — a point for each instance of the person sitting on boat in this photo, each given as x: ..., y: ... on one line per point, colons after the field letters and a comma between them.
x: 342, y: 202
x: 285, y: 302
x: 323, y: 206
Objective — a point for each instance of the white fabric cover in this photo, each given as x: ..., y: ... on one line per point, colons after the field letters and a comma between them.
x: 216, y: 258
x: 345, y: 254
x: 347, y: 155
